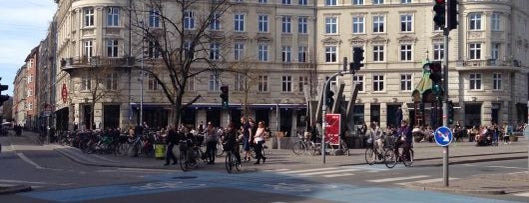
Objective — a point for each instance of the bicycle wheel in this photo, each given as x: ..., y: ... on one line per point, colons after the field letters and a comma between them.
x: 298, y: 148
x: 370, y: 156
x: 408, y: 161
x: 220, y: 149
x: 228, y: 162
x: 345, y: 148
x: 390, y: 160
x: 184, y: 163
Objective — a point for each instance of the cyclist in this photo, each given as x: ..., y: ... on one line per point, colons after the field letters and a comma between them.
x: 211, y: 143
x: 404, y: 138
x: 230, y: 142
x: 375, y: 133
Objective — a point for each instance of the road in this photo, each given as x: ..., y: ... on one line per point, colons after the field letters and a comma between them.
x: 55, y: 178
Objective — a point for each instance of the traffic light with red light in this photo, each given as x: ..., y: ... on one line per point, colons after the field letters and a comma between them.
x: 452, y: 14
x: 358, y: 57
x: 439, y: 9
x: 224, y: 95
x: 3, y: 98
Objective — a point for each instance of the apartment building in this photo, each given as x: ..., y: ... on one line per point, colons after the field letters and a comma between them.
x: 19, y: 97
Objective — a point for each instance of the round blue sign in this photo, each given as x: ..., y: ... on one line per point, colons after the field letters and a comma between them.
x: 443, y: 136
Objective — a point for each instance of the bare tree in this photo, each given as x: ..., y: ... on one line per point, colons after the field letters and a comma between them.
x: 179, y: 34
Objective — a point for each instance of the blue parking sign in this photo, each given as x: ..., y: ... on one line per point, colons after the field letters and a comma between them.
x: 443, y: 136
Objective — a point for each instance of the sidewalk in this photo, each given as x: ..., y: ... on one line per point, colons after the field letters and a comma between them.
x: 426, y: 154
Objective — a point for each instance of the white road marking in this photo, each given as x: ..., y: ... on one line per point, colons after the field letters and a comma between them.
x: 327, y: 172
x: 309, y: 170
x: 398, y: 178
x: 433, y: 180
x: 148, y: 169
x: 26, y: 159
x: 525, y: 194
x: 279, y: 170
x: 338, y: 175
x: 510, y: 167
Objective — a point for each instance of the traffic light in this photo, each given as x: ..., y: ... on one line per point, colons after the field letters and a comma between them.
x: 224, y: 95
x: 440, y: 12
x: 450, y: 112
x: 3, y: 98
x: 329, y: 100
x: 436, y: 77
x: 452, y: 14
x: 358, y: 57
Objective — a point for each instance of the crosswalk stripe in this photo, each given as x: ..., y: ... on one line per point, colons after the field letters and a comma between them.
x: 308, y: 170
x: 338, y: 175
x: 525, y: 194
x: 398, y: 178
x: 433, y: 180
x: 326, y: 172
x: 279, y: 170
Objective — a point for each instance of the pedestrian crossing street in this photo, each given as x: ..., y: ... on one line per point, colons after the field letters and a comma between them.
x: 344, y: 171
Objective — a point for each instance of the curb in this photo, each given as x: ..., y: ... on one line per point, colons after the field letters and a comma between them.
x: 15, y: 189
x: 456, y: 190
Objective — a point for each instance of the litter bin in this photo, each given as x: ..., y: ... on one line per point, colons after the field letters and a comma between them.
x: 159, y: 151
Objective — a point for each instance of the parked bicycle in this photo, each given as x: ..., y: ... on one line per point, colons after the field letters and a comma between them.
x: 304, y: 145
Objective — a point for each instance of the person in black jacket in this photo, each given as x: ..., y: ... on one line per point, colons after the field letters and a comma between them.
x: 171, y: 141
x: 231, y: 143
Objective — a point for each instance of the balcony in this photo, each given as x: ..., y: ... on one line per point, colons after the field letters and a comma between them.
x: 70, y: 64
x: 489, y: 64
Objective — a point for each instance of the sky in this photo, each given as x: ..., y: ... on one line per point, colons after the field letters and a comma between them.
x: 23, y: 24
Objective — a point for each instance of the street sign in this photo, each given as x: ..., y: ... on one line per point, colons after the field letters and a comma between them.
x: 332, y: 132
x: 443, y: 136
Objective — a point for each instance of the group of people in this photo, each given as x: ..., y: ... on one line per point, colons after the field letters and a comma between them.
x: 250, y: 135
x: 400, y: 137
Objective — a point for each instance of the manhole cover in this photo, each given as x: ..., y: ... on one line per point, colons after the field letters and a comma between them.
x: 184, y: 177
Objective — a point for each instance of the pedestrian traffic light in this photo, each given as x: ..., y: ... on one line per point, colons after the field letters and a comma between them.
x: 436, y: 77
x: 224, y: 95
x: 440, y: 12
x: 358, y: 57
x: 452, y: 14
x: 330, y: 100
x: 450, y: 105
x: 3, y: 98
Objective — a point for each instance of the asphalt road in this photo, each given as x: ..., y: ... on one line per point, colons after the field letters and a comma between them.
x: 55, y: 178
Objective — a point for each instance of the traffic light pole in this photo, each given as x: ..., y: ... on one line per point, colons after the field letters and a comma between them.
x: 445, y: 105
x: 324, y: 111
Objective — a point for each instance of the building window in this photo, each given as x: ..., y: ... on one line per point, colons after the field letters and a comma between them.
x: 88, y: 17
x: 358, y: 24
x: 286, y: 2
x: 378, y: 2
x: 112, y: 81
x: 187, y: 48
x: 238, y: 22
x: 113, y: 16
x: 406, y: 23
x: 405, y: 52
x: 88, y: 48
x: 331, y: 25
x: 405, y: 1
x: 153, y: 51
x: 496, y: 81
x: 378, y: 24
x: 303, y: 80
x: 303, y: 2
x: 405, y: 82
x: 154, y: 18
x: 358, y: 2
x: 263, y: 83
x: 262, y: 52
x: 240, y: 82
x: 330, y: 2
x: 238, y: 51
x: 191, y: 83
x: 286, y: 85
x: 214, y: 51
x: 302, y: 25
x: 475, y: 21
x: 286, y: 54
x: 86, y: 82
x: 438, y: 51
x: 286, y: 24
x: 30, y: 93
x: 495, y: 51
x: 30, y: 106
x: 263, y: 1
x: 302, y: 54
x: 358, y: 81
x: 330, y: 54
x: 189, y: 20
x: 378, y: 83
x: 215, y: 21
x: 262, y: 23
x: 30, y: 79
x: 495, y: 20
x: 153, y: 83
x: 475, y: 81
x: 474, y: 51
x: 214, y: 83
x: 378, y: 53
x: 112, y: 48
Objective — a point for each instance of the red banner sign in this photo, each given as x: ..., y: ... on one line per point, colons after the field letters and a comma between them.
x: 333, y: 127
x: 64, y: 93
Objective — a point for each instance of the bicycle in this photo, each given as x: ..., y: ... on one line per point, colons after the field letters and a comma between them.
x: 191, y: 156
x: 392, y: 157
x: 231, y: 162
x: 373, y: 155
x: 303, y: 146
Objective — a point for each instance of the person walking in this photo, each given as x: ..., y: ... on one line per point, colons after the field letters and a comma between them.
x: 171, y: 141
x: 211, y: 143
x: 259, y: 140
x: 246, y: 137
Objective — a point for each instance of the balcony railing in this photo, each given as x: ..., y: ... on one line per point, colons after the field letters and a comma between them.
x: 488, y: 63
x: 83, y: 62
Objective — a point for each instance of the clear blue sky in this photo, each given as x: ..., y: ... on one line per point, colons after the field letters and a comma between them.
x: 23, y: 24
